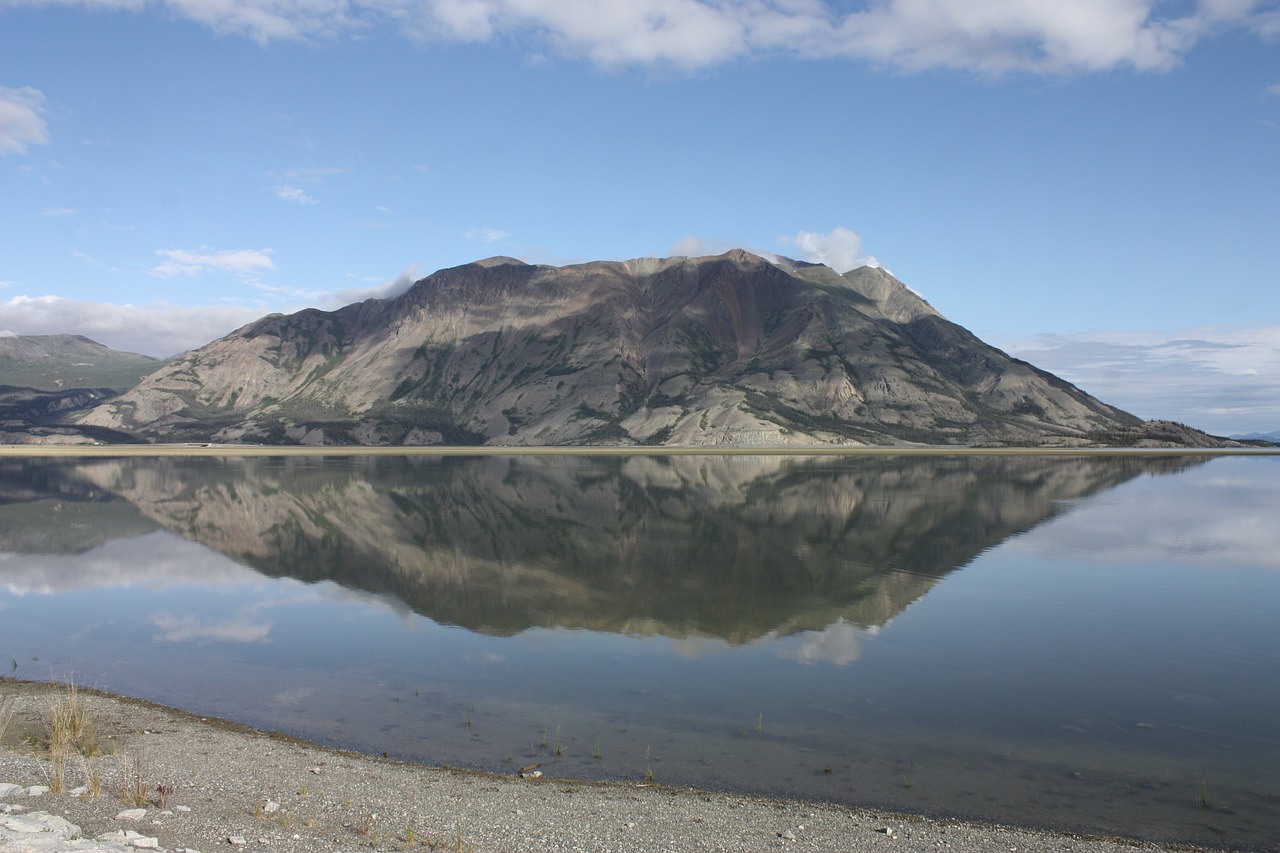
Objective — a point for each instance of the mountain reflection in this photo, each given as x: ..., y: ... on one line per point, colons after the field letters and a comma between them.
x: 686, y: 546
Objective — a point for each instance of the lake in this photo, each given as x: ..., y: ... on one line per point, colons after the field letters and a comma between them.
x: 1077, y: 642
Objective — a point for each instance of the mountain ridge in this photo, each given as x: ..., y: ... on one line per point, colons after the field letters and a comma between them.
x: 733, y: 349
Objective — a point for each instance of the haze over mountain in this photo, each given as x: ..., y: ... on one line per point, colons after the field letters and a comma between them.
x: 730, y: 349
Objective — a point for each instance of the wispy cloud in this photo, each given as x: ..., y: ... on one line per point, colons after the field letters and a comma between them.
x: 293, y: 195
x: 238, y: 629
x: 312, y: 174
x: 992, y: 37
x: 1221, y: 379
x: 182, y: 263
x: 21, y: 120
x: 488, y: 235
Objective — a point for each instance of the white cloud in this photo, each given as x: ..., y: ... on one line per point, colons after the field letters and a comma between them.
x: 841, y: 249
x: 270, y: 20
x: 996, y: 36
x: 1224, y: 380
x: 151, y: 561
x: 21, y: 122
x: 839, y: 643
x: 159, y: 330
x: 293, y: 195
x: 184, y: 263
x: 1216, y: 516
x: 386, y: 290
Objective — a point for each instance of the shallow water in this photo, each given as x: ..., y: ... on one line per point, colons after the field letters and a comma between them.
x: 1071, y: 642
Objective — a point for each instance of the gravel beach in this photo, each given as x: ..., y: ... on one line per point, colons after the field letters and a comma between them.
x: 225, y: 787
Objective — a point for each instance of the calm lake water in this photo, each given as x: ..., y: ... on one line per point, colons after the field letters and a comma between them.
x: 1088, y: 643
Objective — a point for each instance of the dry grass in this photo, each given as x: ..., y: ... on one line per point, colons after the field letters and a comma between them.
x: 6, y: 719
x: 131, y: 778
x: 92, y: 777
x: 68, y: 731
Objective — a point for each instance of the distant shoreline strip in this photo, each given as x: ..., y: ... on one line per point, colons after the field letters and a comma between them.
x: 158, y: 450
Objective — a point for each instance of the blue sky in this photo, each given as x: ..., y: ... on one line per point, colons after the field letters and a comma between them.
x: 1094, y: 186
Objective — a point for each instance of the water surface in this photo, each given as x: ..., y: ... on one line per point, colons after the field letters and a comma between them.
x: 1085, y: 643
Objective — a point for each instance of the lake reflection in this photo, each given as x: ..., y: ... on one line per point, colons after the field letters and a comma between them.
x: 1067, y: 641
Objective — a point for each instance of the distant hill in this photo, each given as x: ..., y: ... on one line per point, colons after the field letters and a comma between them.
x: 64, y: 362
x: 1272, y: 437
x: 44, y: 379
x: 731, y: 350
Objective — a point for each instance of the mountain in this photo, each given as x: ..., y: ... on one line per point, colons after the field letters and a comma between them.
x: 63, y: 362
x: 726, y: 350
x: 48, y: 377
x: 1268, y: 437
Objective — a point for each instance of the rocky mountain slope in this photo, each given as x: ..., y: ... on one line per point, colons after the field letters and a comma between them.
x: 726, y: 350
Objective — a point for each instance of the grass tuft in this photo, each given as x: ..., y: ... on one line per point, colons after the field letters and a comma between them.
x: 68, y: 730
x: 132, y: 781
x: 6, y: 719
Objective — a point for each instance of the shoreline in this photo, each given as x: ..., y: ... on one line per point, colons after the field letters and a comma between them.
x: 269, y: 450
x: 230, y: 784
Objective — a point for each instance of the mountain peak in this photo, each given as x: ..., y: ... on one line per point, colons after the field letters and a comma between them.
x: 500, y: 261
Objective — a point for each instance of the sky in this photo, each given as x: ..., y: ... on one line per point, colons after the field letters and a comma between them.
x: 1093, y: 186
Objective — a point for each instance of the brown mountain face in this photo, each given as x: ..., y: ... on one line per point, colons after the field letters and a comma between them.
x: 725, y: 350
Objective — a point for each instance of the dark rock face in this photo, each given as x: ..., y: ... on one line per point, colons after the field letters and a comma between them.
x: 731, y: 350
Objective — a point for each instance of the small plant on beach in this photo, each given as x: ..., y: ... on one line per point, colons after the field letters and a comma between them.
x: 92, y: 777
x: 163, y: 793
x: 595, y: 753
x: 760, y: 724
x: 363, y: 825
x: 132, y: 779
x: 558, y: 748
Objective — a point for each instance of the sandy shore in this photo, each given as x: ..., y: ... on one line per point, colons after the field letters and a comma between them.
x: 235, y: 788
